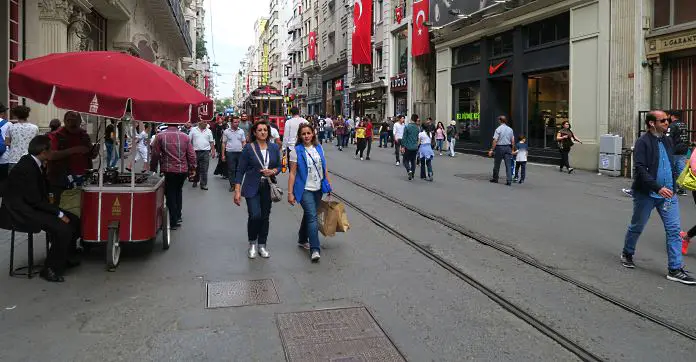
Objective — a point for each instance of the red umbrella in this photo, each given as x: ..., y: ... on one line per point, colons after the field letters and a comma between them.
x: 107, y: 84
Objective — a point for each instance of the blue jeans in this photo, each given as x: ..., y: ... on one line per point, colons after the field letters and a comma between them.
x: 440, y: 144
x: 259, y: 209
x: 309, y: 228
x: 383, y: 137
x: 642, y: 208
x: 111, y: 155
x: 679, y: 163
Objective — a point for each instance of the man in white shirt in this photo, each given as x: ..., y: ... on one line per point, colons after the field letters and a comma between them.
x: 233, y: 141
x: 398, y: 135
x: 292, y: 125
x: 5, y: 129
x: 204, y: 146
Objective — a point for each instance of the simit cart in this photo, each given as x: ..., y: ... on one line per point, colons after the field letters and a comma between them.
x: 116, y: 207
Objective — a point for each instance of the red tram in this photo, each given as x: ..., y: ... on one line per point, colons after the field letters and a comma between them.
x: 266, y: 102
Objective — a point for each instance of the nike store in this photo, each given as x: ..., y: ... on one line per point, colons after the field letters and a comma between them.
x: 521, y: 73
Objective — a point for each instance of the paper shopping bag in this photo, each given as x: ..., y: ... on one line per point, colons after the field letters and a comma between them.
x: 326, y: 216
x: 343, y: 225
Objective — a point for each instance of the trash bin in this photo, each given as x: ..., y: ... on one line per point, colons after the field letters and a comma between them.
x: 610, y: 154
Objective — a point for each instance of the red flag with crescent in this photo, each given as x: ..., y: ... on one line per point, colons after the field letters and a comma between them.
x: 312, y: 45
x: 362, y: 32
x: 420, y: 38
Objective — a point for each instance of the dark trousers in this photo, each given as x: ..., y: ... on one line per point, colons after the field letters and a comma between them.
x: 259, y: 210
x: 202, y: 162
x: 426, y: 163
x: 397, y: 149
x: 63, y: 238
x: 503, y: 153
x: 521, y: 165
x: 383, y: 137
x: 410, y: 160
x: 173, y: 192
x: 565, y: 159
x: 369, y: 145
x: 362, y: 143
x: 232, y: 164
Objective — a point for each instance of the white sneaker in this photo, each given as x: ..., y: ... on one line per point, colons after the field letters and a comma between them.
x: 264, y: 252
x: 315, y: 256
x: 252, y: 251
x: 397, y: 163
x: 440, y: 153
x: 361, y: 159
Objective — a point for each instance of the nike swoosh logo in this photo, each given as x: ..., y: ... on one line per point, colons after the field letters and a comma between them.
x: 492, y: 69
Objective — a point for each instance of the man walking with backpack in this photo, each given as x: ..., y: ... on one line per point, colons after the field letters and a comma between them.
x: 677, y: 131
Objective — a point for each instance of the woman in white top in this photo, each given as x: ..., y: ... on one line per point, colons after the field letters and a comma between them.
x: 308, y: 182
x: 425, y: 154
x: 19, y: 135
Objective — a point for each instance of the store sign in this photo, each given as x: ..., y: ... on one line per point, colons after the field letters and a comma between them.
x: 672, y: 42
x: 399, y: 83
x: 494, y: 68
x: 468, y: 116
x: 338, y: 85
x: 443, y: 12
x: 366, y: 94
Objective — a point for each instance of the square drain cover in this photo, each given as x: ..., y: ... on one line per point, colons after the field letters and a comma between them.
x: 240, y: 293
x: 337, y: 335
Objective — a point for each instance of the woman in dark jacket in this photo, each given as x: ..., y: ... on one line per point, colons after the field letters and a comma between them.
x: 259, y: 163
x: 566, y: 138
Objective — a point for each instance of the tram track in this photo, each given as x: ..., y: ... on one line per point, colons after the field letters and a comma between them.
x: 507, y: 250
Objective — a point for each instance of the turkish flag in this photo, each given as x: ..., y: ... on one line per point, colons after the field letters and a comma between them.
x: 362, y: 32
x: 420, y: 38
x: 312, y: 45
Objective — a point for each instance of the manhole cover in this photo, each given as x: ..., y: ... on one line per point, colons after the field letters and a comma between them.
x: 240, y: 293
x: 337, y: 335
x: 477, y: 176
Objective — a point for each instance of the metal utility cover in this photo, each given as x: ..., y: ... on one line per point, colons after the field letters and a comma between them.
x: 240, y: 293
x: 338, y: 335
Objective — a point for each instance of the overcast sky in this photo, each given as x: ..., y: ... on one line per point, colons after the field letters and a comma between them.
x: 230, y: 35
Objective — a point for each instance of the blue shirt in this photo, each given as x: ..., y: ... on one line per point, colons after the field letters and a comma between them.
x: 664, y: 170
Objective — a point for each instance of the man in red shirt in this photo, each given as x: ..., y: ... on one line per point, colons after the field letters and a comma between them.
x: 71, y: 155
x: 174, y: 153
x: 368, y: 136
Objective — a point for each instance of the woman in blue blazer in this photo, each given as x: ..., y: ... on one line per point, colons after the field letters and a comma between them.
x: 309, y: 180
x: 259, y: 163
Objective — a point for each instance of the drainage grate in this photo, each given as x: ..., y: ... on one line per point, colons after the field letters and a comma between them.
x: 339, y: 335
x: 240, y: 293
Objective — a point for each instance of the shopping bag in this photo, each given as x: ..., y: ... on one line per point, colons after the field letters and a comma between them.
x: 342, y: 225
x: 71, y: 201
x: 687, y: 180
x: 326, y: 216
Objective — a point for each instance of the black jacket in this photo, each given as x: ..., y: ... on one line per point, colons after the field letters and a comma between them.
x: 646, y: 160
x: 26, y: 196
x: 678, y: 132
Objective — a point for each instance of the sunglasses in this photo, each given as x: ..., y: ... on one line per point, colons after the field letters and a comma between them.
x: 664, y: 120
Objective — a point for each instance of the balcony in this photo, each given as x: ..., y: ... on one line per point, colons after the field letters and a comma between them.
x: 363, y: 74
x: 171, y: 20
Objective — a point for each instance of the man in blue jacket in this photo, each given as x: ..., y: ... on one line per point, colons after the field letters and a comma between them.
x: 653, y: 188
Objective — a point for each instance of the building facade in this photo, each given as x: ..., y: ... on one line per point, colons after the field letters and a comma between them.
x: 539, y: 63
x: 156, y: 31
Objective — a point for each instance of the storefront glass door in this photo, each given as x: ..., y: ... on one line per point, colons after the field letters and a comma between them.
x: 547, y: 96
x: 467, y: 104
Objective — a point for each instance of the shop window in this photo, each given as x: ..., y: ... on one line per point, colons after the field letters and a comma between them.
x: 467, y: 54
x: 501, y: 44
x: 548, y: 31
x: 673, y: 12
x: 547, y: 96
x: 402, y: 51
x: 467, y: 100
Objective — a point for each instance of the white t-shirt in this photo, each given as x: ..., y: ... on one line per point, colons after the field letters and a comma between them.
x: 315, y: 170
x: 4, y: 159
x: 21, y: 134
x: 399, y: 130
x: 274, y: 135
x: 201, y: 140
x: 265, y: 159
x: 142, y: 139
x: 424, y: 138
x: 521, y: 155
x: 291, y: 127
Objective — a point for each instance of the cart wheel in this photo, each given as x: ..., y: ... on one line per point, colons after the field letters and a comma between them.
x: 166, y: 237
x: 113, y: 248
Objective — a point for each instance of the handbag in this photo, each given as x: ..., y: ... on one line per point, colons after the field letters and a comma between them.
x: 276, y: 191
x: 687, y: 180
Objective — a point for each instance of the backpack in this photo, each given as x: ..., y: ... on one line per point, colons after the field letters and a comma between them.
x: 3, y: 146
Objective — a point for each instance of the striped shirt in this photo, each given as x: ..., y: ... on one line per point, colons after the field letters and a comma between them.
x: 174, y: 151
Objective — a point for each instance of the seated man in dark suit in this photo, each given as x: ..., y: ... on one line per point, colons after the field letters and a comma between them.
x: 26, y: 202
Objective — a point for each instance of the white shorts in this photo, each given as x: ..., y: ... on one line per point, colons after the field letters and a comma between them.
x: 141, y: 154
